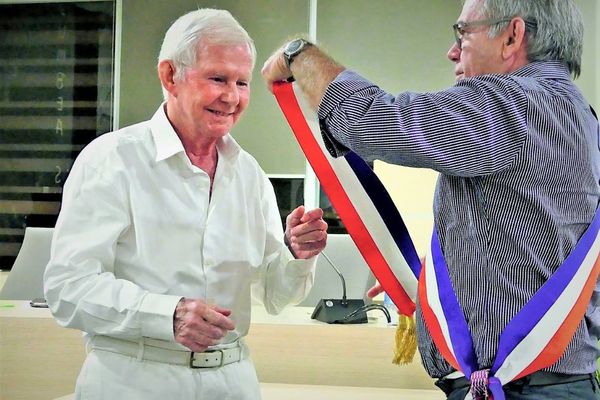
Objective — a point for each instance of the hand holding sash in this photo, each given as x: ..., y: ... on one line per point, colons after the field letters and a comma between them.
x: 275, y: 69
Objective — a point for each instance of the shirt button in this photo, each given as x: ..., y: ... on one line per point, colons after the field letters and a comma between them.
x: 209, y: 262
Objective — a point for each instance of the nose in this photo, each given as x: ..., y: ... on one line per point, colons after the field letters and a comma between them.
x: 454, y: 53
x: 231, y: 94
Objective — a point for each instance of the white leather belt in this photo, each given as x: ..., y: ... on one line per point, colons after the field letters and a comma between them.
x: 142, y: 350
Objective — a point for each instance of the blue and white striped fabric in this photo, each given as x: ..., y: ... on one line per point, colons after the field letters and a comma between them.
x: 519, y: 158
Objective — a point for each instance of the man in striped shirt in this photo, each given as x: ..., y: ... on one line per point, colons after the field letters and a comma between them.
x: 518, y: 151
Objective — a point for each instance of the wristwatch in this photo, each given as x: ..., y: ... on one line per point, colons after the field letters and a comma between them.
x: 293, y: 48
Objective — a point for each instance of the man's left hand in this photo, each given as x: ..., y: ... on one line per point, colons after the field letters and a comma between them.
x: 306, y: 232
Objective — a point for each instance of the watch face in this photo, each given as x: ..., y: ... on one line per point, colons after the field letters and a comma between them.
x: 294, y: 46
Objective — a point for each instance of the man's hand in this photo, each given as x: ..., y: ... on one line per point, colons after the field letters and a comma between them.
x: 305, y: 232
x: 313, y: 71
x: 275, y: 69
x: 377, y: 289
x: 197, y: 325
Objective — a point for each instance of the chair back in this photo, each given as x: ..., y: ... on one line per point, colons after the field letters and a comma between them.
x: 25, y: 279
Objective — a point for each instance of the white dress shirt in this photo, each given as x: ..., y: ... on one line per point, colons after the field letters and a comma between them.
x: 139, y: 229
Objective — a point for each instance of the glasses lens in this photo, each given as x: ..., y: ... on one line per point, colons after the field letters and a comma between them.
x: 457, y: 35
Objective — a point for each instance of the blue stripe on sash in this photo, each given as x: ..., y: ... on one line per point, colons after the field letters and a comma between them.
x: 386, y: 208
x: 460, y: 336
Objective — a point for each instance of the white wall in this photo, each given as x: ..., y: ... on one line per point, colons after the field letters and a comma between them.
x: 589, y: 81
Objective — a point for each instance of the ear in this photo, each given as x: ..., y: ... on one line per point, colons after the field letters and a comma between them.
x: 166, y: 74
x: 514, y: 39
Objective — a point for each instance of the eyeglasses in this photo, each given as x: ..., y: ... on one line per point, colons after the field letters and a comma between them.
x: 460, y: 27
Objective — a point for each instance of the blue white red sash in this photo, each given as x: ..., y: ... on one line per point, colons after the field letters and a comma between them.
x: 363, y: 204
x: 534, y: 339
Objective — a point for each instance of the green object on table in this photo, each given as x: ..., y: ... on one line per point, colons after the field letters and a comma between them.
x: 7, y: 305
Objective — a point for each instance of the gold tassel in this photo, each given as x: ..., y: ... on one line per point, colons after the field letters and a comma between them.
x: 406, y: 340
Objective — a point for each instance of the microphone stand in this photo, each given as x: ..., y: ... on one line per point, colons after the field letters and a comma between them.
x: 340, y: 311
x: 344, y: 302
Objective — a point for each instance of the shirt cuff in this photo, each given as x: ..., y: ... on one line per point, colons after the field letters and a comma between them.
x: 335, y: 148
x: 343, y: 86
x: 156, y: 316
x: 297, y: 267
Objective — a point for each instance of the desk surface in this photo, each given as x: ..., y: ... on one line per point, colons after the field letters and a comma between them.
x: 292, y: 348
x: 277, y: 391
x: 21, y: 309
x: 289, y: 316
x: 289, y: 348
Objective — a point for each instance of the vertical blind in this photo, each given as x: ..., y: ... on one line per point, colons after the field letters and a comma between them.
x: 56, y: 74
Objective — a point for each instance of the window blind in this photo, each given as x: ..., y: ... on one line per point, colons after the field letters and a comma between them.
x: 56, y: 70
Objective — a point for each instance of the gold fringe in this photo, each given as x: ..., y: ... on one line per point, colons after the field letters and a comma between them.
x: 406, y: 340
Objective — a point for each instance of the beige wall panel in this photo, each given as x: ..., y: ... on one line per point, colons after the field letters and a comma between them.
x: 588, y: 81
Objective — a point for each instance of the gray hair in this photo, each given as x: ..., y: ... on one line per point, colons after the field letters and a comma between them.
x: 201, y: 27
x: 557, y: 34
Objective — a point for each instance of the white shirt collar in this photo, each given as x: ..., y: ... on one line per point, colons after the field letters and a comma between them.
x: 168, y: 144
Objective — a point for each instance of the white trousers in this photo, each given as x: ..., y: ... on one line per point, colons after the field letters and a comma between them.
x: 112, y: 376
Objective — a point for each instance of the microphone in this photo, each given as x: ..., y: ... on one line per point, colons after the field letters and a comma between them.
x: 340, y: 311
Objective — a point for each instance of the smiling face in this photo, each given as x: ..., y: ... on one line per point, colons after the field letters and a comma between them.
x: 209, y: 101
x: 479, y: 54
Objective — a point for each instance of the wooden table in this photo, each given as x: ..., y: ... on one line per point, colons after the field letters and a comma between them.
x: 292, y: 348
x: 288, y: 391
x: 41, y: 360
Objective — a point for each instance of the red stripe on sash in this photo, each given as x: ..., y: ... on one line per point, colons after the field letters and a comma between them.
x: 432, y: 323
x: 284, y: 94
x: 561, y: 339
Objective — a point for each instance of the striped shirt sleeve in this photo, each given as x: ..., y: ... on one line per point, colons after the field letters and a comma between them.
x: 474, y: 128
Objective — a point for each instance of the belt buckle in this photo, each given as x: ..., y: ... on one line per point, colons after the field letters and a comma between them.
x: 210, y: 351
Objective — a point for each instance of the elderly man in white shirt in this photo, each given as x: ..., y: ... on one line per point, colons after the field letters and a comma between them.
x: 168, y: 229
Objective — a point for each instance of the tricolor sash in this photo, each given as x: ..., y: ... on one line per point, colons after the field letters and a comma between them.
x: 537, y: 335
x: 363, y: 204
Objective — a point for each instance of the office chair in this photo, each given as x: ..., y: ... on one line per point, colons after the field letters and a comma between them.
x: 25, y: 279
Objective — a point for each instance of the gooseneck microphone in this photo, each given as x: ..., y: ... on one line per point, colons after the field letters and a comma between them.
x: 339, y: 274
x: 340, y: 311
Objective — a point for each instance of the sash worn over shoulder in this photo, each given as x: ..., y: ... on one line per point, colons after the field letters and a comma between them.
x: 537, y: 335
